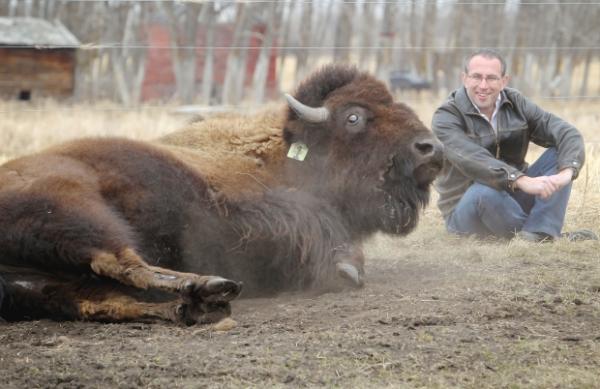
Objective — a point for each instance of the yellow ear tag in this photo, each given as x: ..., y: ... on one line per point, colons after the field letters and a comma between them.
x: 298, y: 151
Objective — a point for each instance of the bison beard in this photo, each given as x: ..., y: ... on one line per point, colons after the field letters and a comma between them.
x: 113, y: 230
x: 404, y: 198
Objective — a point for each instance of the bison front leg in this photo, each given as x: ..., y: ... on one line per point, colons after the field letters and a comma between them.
x: 202, y: 295
x: 349, y: 261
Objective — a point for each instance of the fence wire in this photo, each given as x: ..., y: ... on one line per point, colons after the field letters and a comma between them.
x: 405, y: 2
x: 114, y: 45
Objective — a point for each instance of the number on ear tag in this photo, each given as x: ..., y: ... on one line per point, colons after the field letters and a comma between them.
x: 298, y: 151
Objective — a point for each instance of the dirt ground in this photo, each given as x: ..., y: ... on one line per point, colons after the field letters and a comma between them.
x: 436, y: 311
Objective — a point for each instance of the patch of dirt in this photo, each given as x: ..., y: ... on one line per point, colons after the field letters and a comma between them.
x: 435, y: 312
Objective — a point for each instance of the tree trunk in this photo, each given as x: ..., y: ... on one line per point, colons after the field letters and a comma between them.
x: 343, y: 33
x: 209, y: 53
x: 384, y: 55
x: 461, y: 37
x: 567, y: 76
x: 286, y: 40
x: 128, y: 64
x: 528, y: 67
x: 306, y: 40
x: 427, y: 39
x: 13, y: 8
x: 509, y: 36
x: 366, y: 39
x: 234, y: 60
x: 586, y: 74
x: 183, y: 29
x: 261, y: 70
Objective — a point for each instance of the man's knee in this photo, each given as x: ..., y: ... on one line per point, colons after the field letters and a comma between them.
x: 546, y: 164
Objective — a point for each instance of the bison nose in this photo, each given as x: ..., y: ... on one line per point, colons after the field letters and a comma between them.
x: 428, y: 149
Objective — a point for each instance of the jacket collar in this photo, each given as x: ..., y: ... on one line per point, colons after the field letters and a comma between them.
x: 464, y: 103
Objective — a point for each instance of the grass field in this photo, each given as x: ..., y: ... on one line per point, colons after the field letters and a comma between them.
x: 25, y: 129
x: 437, y: 311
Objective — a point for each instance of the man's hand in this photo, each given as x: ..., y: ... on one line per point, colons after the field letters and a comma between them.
x: 544, y: 186
x: 563, y: 178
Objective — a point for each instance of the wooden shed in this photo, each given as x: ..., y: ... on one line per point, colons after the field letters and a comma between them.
x: 37, y: 59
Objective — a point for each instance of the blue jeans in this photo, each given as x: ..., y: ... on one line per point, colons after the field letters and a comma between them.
x: 485, y: 211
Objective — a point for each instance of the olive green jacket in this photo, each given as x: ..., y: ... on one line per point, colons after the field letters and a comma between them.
x: 475, y: 153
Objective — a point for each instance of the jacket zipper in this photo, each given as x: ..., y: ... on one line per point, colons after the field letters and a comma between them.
x: 497, y: 132
x: 496, y: 137
x: 497, y: 147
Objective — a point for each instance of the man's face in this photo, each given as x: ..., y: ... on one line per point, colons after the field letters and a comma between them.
x: 484, y: 82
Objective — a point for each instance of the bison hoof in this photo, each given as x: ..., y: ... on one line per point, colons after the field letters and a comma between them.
x: 202, y: 313
x: 350, y: 273
x: 211, y: 290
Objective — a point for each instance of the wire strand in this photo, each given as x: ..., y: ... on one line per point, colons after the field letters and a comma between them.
x: 221, y: 108
x: 102, y: 46
x: 406, y: 2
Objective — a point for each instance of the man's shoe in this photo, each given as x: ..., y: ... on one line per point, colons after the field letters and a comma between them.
x: 535, y: 237
x: 579, y: 235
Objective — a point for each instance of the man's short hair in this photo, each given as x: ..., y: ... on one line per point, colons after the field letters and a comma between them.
x: 486, y: 53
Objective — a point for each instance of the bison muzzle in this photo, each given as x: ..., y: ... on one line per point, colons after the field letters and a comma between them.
x: 113, y: 229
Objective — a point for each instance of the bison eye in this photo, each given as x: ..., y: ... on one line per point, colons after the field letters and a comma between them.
x: 353, y: 119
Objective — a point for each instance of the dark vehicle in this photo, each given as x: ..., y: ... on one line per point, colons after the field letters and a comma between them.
x: 404, y: 80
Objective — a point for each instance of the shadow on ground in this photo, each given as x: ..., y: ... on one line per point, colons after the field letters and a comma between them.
x: 436, y: 312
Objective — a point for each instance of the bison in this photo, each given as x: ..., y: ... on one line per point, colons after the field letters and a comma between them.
x: 112, y: 229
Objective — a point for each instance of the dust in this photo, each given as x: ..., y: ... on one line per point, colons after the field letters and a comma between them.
x: 436, y: 311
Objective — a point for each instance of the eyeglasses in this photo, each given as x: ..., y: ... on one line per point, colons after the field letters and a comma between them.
x: 490, y: 80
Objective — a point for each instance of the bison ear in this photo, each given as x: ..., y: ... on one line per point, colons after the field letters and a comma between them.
x: 306, y: 113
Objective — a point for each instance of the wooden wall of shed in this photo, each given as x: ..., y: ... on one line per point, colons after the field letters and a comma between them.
x: 42, y: 72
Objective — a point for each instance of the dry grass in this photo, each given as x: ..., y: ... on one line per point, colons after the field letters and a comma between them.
x: 25, y: 129
x: 505, y: 314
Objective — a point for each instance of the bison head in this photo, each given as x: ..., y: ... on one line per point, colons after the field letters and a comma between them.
x: 371, y: 157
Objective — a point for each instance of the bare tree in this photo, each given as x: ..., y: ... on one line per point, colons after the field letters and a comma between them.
x: 235, y: 60
x: 460, y: 36
x: 509, y: 36
x: 183, y: 28
x: 572, y: 28
x: 343, y: 32
x: 128, y: 58
x: 431, y: 37
x: 208, y: 18
x: 425, y: 64
x: 273, y: 15
x: 588, y: 36
x: 288, y: 13
x: 365, y: 38
x: 308, y: 32
x: 384, y: 42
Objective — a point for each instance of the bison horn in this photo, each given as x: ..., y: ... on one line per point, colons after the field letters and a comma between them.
x: 306, y: 113
x: 349, y: 272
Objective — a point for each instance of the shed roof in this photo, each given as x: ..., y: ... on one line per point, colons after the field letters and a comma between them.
x: 35, y: 32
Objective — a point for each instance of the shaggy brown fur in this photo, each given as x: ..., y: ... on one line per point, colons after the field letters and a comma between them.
x: 236, y: 154
x: 92, y: 228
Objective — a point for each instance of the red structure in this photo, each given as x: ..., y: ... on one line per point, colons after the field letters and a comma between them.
x: 159, y: 80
